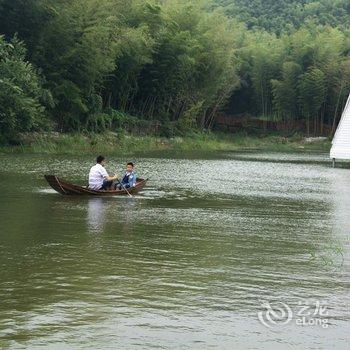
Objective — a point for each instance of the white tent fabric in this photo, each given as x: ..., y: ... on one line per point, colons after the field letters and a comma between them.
x: 341, y: 141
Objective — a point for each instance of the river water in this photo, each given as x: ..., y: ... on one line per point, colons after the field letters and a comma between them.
x: 193, y: 262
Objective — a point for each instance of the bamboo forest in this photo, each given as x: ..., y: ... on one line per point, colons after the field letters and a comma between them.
x: 97, y: 65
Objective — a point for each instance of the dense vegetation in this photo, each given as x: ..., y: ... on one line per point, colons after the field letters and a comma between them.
x: 22, y: 97
x: 76, y: 65
x: 285, y: 15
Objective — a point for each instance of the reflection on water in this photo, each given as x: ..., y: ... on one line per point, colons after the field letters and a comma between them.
x: 96, y: 214
x: 184, y: 264
x: 99, y: 208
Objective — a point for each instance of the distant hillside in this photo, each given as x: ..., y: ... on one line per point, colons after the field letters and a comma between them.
x: 281, y: 15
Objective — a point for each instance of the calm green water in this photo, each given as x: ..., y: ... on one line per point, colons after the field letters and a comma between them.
x: 185, y: 264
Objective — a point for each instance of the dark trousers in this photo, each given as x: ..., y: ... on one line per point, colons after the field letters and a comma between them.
x: 106, y: 185
x: 121, y: 187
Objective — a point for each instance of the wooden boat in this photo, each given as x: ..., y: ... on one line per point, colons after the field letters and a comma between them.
x: 69, y: 189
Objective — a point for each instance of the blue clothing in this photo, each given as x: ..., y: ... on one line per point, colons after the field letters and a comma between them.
x: 121, y: 187
x: 129, y: 179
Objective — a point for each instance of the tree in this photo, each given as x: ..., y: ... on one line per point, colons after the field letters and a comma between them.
x: 76, y: 52
x: 312, y: 95
x: 285, y: 91
x: 27, y: 19
x: 22, y: 97
x: 179, y: 62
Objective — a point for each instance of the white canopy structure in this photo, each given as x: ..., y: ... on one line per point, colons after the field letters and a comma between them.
x: 341, y: 141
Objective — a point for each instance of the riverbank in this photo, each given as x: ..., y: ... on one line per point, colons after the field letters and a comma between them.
x: 125, y: 144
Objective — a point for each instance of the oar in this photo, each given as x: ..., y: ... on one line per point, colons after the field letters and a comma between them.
x: 125, y: 189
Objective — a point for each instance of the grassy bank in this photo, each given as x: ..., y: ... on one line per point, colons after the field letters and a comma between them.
x: 112, y: 143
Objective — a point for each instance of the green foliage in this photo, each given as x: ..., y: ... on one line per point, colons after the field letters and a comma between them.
x: 286, y: 15
x: 139, y: 57
x: 173, y: 63
x: 302, y: 76
x: 22, y: 97
x: 76, y: 52
x: 285, y: 91
x: 27, y: 18
x: 312, y: 93
x: 193, y: 64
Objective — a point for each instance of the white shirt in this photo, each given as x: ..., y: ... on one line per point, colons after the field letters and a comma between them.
x: 96, y: 176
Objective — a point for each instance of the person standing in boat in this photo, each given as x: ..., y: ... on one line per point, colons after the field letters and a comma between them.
x: 129, y: 178
x: 98, y: 176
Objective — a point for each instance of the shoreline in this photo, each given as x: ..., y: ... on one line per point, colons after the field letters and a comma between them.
x: 128, y: 144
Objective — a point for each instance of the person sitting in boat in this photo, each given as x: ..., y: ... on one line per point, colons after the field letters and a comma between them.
x: 98, y: 176
x: 129, y: 179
